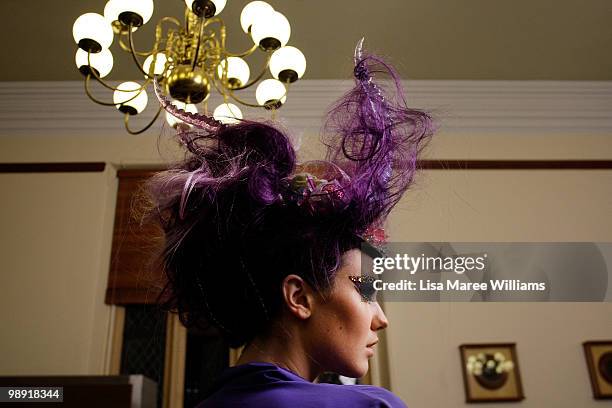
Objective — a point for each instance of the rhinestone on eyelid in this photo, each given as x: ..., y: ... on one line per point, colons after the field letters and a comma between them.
x: 362, y: 279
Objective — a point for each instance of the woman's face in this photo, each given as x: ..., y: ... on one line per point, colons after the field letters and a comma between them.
x: 343, y: 327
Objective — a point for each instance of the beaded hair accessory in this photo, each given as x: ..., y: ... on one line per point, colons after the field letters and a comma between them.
x: 198, y: 120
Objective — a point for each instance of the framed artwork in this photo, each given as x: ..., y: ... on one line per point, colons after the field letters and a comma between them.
x: 599, y: 362
x: 491, y: 372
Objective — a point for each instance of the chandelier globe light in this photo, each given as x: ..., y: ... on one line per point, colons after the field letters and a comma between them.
x: 254, y: 11
x: 130, y: 98
x: 157, y: 62
x: 133, y: 13
x: 287, y: 64
x: 227, y: 113
x: 189, y: 58
x: 92, y: 32
x: 208, y: 8
x: 271, y: 93
x: 237, y: 71
x: 101, y: 62
x: 271, y: 32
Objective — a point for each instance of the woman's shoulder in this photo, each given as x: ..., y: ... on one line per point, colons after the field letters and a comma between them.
x: 256, y: 385
x: 371, y: 396
x: 302, y: 395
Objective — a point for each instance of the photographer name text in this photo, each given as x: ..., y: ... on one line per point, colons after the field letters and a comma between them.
x: 458, y: 285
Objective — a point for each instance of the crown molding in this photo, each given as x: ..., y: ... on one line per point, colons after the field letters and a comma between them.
x: 61, y: 108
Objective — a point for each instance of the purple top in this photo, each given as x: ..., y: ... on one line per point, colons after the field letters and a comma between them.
x: 265, y: 385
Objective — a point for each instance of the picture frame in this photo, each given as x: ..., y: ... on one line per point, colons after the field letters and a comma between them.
x: 598, y: 355
x: 491, y: 372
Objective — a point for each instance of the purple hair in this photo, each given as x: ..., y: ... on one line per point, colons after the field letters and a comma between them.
x: 372, y: 134
x: 239, y: 214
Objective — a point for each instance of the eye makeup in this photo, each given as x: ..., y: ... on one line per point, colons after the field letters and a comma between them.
x: 365, y: 287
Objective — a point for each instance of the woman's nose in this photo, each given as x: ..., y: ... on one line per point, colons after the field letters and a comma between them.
x: 379, y: 320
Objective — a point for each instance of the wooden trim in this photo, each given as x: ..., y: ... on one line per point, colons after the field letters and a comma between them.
x: 515, y: 164
x: 459, y: 164
x: 423, y: 164
x: 117, y: 340
x: 132, y: 296
x: 138, y: 173
x: 234, y: 355
x: 52, y: 167
x: 174, y: 365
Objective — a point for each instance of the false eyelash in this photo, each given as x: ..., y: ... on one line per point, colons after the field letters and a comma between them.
x: 365, y: 287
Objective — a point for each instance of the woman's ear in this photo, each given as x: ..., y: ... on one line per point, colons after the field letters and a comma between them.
x: 298, y: 296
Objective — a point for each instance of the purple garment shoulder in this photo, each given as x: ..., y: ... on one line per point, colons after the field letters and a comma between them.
x: 265, y: 385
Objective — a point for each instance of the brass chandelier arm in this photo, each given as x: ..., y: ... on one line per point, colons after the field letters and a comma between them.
x: 197, y: 50
x: 245, y: 53
x: 126, y: 47
x: 259, y: 76
x: 219, y: 90
x: 234, y: 97
x: 112, y: 88
x: 214, y: 20
x: 134, y: 57
x: 126, y: 120
x: 213, y: 58
x: 158, y: 34
x: 90, y: 96
x: 219, y: 21
x: 231, y: 54
x: 243, y: 102
x: 166, y: 19
x: 186, y: 19
x: 99, y: 102
x: 92, y: 72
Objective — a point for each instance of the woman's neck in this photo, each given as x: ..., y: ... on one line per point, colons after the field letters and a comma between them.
x: 286, y: 351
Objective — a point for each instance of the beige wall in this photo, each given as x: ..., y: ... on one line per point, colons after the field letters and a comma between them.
x: 56, y: 231
x: 423, y: 338
x: 57, y: 228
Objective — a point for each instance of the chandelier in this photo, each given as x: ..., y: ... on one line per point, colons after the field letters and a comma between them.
x: 189, y: 58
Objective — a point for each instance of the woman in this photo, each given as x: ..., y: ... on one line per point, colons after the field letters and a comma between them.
x: 268, y: 252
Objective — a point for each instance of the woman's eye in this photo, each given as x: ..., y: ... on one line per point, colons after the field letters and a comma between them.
x: 367, y: 291
x: 365, y: 287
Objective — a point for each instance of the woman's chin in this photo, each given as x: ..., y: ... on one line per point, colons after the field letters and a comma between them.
x: 355, y: 370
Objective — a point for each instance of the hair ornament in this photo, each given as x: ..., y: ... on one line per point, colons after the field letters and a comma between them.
x: 376, y: 236
x: 316, y: 186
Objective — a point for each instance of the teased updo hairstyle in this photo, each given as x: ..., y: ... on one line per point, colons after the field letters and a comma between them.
x: 231, y: 232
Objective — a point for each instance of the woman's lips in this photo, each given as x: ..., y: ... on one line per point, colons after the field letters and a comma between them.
x: 370, y: 347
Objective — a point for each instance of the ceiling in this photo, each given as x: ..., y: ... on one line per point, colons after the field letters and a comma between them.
x: 432, y: 39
